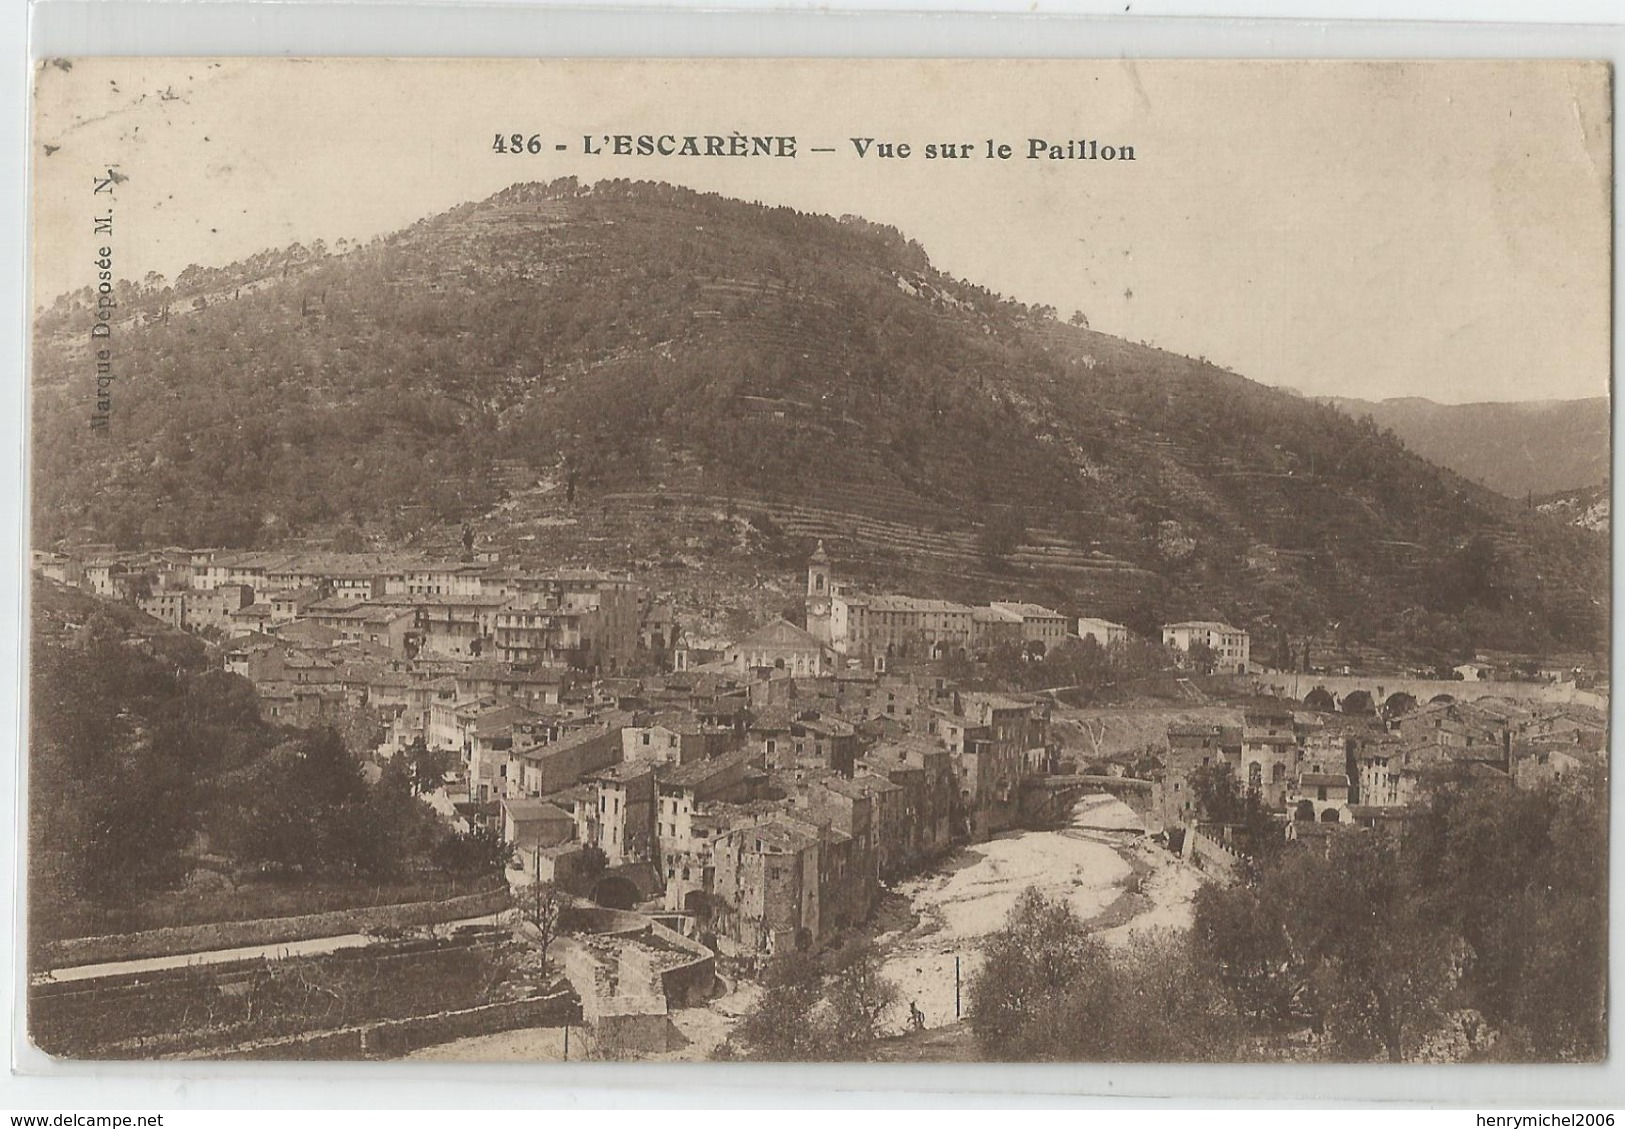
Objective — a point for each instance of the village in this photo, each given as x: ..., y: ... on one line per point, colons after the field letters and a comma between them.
x: 761, y: 798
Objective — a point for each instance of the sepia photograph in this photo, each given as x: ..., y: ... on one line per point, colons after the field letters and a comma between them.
x: 819, y: 560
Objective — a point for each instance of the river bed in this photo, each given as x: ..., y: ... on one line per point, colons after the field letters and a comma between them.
x: 1100, y: 863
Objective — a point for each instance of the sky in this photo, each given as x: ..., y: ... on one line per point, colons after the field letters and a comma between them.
x: 1353, y: 229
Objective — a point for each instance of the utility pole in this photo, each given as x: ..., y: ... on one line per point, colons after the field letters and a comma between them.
x: 956, y: 987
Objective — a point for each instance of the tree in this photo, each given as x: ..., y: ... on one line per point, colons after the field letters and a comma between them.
x: 397, y: 827
x: 427, y: 769
x: 1246, y: 944
x: 1042, y: 950
x: 1381, y: 965
x: 589, y: 867
x: 1001, y: 534
x: 1201, y: 657
x: 470, y: 853
x: 1220, y: 799
x: 1520, y: 873
x: 779, y: 1027
x: 301, y: 810
x: 541, y: 906
x: 1166, y: 1006
x: 859, y: 996
x: 1049, y: 990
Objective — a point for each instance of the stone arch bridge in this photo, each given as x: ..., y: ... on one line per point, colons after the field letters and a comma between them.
x: 1298, y: 687
x: 1047, y: 799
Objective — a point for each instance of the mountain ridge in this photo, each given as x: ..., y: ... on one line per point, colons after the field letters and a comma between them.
x: 1517, y: 448
x: 643, y: 376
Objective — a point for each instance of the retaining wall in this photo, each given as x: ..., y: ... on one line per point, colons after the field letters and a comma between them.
x: 183, y: 939
x: 686, y: 984
x: 392, y: 1038
x: 1210, y: 855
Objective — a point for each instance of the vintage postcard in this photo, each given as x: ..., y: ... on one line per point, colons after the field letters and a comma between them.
x: 969, y: 561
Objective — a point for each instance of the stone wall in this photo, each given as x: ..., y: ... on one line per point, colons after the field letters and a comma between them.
x: 393, y: 1038
x: 685, y: 983
x: 268, y: 931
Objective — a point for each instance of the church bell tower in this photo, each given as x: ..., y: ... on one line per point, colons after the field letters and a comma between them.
x: 819, y: 591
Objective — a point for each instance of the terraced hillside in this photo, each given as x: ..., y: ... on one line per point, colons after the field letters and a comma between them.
x: 640, y: 376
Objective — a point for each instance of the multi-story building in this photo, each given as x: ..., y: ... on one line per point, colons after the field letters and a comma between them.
x: 1041, y: 627
x: 910, y: 625
x: 626, y: 811
x: 211, y: 610
x: 994, y: 629
x: 767, y: 881
x: 1192, y: 747
x: 1103, y: 631
x: 532, y: 687
x: 788, y: 738
x: 928, y: 806
x: 987, y: 736
x: 1270, y: 748
x: 442, y: 578
x: 1231, y: 646
x: 586, y: 618
x: 543, y: 769
x: 686, y: 822
x: 1319, y: 797
x: 168, y: 606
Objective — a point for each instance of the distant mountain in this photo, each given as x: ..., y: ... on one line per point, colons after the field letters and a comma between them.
x: 1529, y: 447
x: 639, y: 376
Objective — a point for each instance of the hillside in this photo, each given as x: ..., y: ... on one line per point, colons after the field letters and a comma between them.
x: 639, y: 376
x: 1587, y: 507
x: 1533, y: 447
